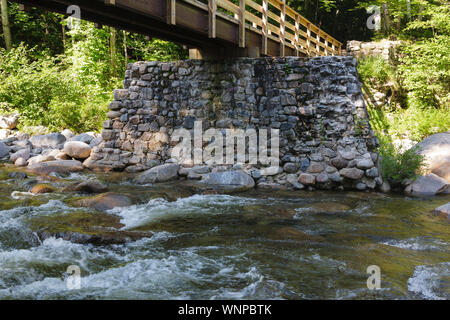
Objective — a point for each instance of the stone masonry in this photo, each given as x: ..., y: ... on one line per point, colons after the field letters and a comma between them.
x: 325, y: 138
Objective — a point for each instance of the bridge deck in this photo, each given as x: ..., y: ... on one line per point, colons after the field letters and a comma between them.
x: 217, y: 27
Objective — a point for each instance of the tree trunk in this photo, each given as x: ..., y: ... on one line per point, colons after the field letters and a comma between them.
x: 5, y: 23
x: 113, y: 50
x: 125, y: 48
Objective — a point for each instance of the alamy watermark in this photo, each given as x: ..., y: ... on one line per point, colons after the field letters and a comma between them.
x: 228, y: 146
x: 374, y: 280
x: 74, y: 13
x: 73, y: 280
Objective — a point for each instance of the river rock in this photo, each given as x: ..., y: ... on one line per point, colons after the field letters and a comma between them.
x: 83, y: 137
x: 365, y: 164
x: 428, y: 185
x: 21, y: 162
x: 105, y: 201
x: 47, y: 140
x: 162, y: 173
x: 4, y: 150
x: 436, y: 149
x: 307, y: 179
x: 18, y: 175
x: 233, y: 179
x: 42, y: 188
x: 67, y: 133
x: 9, y: 122
x: 90, y: 186
x: 58, y: 166
x: 23, y: 153
x: 443, y: 211
x: 77, y: 149
x: 40, y: 159
x: 351, y: 173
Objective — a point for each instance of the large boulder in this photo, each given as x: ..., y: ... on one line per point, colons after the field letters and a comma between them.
x: 230, y: 179
x: 443, y: 211
x: 47, y: 140
x: 160, y: 173
x: 436, y: 149
x: 428, y: 185
x: 40, y: 158
x: 58, y: 166
x: 77, y: 149
x: 9, y: 122
x: 4, y: 150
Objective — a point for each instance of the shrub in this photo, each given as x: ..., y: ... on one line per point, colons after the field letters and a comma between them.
x: 374, y: 70
x: 397, y: 165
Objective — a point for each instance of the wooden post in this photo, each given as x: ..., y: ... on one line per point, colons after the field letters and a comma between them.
x: 308, y: 36
x: 110, y: 2
x: 318, y: 43
x: 170, y: 12
x: 326, y: 45
x: 212, y: 8
x: 265, y: 6
x: 333, y: 49
x: 282, y: 27
x: 297, y: 37
x: 242, y: 23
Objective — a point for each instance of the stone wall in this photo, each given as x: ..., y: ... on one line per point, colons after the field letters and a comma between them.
x: 385, y: 48
x: 325, y: 139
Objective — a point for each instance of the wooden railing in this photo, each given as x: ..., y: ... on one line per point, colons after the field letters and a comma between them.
x: 274, y: 20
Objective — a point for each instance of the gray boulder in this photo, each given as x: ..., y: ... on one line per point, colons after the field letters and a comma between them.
x: 4, y: 150
x: 47, y: 140
x: 77, y: 149
x: 162, y: 173
x: 351, y: 173
x: 83, y: 137
x: 428, y: 185
x: 436, y: 149
x: 230, y: 179
x: 22, y: 153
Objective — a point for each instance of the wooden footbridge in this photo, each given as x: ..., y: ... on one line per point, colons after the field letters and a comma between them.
x: 212, y: 28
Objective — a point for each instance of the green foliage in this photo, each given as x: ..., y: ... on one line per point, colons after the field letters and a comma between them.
x: 45, y: 92
x: 61, y: 78
x: 376, y: 71
x: 397, y: 165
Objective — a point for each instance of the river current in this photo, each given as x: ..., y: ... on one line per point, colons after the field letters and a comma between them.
x: 253, y: 245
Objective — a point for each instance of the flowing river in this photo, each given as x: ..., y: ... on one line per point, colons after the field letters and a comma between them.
x: 200, y: 245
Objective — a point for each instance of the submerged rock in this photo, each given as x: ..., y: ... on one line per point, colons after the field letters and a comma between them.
x: 105, y: 201
x: 162, y: 173
x: 236, y: 179
x: 58, y: 166
x: 84, y: 228
x: 443, y: 211
x: 42, y: 188
x: 90, y: 186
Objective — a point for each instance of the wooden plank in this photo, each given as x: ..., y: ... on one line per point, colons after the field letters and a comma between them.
x: 326, y: 45
x: 264, y: 26
x: 170, y: 12
x: 242, y: 23
x: 252, y: 18
x: 318, y: 42
x: 254, y: 5
x: 308, y: 39
x: 110, y: 2
x: 227, y: 5
x: 212, y: 8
